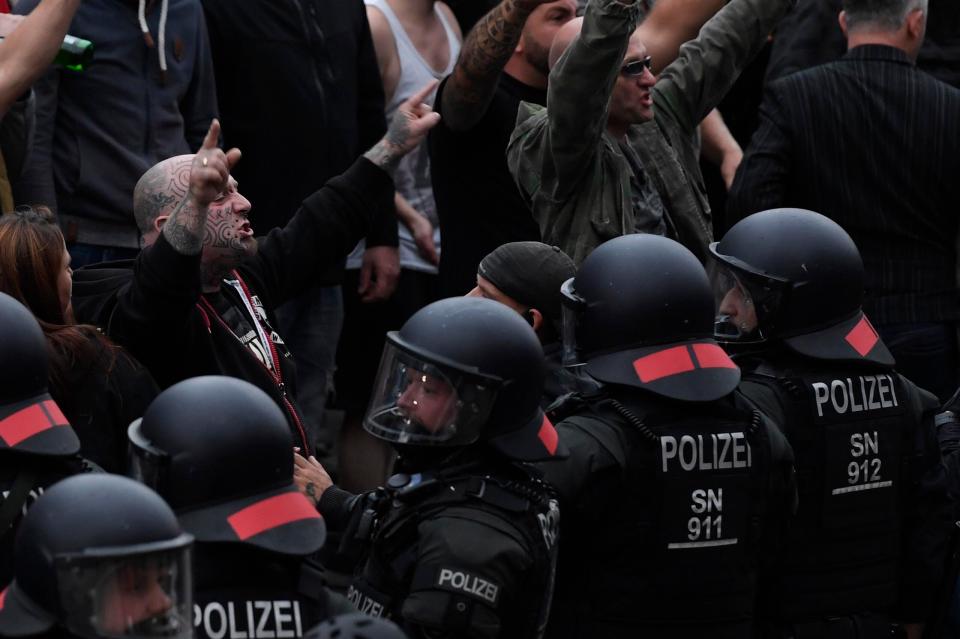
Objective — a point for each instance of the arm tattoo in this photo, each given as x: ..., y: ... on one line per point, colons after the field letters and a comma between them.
x: 385, y: 155
x: 184, y: 228
x: 485, y: 52
x: 387, y: 152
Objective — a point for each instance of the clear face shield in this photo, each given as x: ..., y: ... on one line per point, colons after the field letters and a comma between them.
x: 417, y: 402
x: 147, y: 464
x: 572, y: 309
x: 131, y: 596
x: 746, y: 306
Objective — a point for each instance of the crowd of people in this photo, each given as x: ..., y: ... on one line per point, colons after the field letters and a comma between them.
x: 538, y: 319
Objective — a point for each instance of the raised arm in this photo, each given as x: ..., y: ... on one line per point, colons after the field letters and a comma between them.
x: 670, y: 23
x: 707, y: 67
x: 581, y: 84
x: 488, y: 47
x: 28, y: 51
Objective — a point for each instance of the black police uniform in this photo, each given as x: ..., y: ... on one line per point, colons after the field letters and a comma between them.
x: 864, y: 444
x: 38, y: 447
x: 243, y: 591
x: 469, y: 550
x: 673, y: 510
x: 462, y: 541
x: 676, y: 491
x: 218, y: 450
x: 99, y: 555
x: 868, y: 543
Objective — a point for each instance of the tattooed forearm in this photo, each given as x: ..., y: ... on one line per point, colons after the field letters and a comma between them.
x: 385, y: 155
x: 184, y: 228
x: 485, y: 52
x: 387, y: 152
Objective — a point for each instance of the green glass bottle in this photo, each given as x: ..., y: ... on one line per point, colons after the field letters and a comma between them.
x: 75, y: 54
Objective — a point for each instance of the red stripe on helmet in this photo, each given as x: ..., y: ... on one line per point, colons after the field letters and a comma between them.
x: 548, y: 435
x: 3, y: 596
x: 712, y: 356
x: 862, y: 337
x: 27, y: 422
x: 671, y: 361
x: 271, y: 513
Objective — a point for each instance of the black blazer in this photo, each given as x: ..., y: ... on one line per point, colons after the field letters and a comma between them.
x: 874, y: 144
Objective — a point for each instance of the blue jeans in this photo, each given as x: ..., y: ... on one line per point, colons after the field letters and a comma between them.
x: 926, y: 354
x: 84, y: 254
x: 310, y: 325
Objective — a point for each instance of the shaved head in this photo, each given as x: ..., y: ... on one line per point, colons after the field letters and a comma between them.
x: 564, y: 37
x: 160, y: 190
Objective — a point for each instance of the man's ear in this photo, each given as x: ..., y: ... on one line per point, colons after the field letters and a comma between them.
x: 534, y: 318
x: 916, y: 24
x: 842, y: 19
x: 159, y: 221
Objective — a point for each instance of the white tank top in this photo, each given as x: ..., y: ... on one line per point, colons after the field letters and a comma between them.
x: 412, y: 177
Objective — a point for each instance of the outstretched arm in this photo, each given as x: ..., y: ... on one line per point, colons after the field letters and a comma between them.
x: 670, y: 23
x: 488, y: 47
x: 29, y: 50
x: 707, y: 67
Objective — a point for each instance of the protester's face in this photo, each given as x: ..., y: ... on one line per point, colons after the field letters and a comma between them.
x: 133, y: 595
x: 632, y: 102
x: 65, y: 286
x: 427, y: 400
x: 228, y: 237
x: 736, y: 304
x: 539, y: 29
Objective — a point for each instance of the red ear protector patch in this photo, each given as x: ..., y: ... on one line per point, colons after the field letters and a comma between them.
x: 680, y: 359
x: 862, y: 337
x: 27, y: 422
x: 548, y: 435
x: 270, y: 513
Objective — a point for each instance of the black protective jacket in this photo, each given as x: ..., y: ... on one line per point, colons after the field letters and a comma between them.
x: 672, y: 515
x: 870, y: 534
x: 153, y: 306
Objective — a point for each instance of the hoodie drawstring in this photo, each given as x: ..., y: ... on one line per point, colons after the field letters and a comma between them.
x: 161, y: 35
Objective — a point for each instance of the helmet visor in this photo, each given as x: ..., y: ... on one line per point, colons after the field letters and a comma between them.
x: 420, y: 403
x: 133, y: 596
x: 572, y: 310
x: 146, y: 463
x: 746, y: 305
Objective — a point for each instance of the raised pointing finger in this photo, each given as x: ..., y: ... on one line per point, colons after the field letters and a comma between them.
x: 212, y: 137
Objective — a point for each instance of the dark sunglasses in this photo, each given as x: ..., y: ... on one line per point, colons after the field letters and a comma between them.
x: 635, y: 69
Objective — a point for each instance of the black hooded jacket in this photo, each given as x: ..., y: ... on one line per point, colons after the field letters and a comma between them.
x: 153, y: 305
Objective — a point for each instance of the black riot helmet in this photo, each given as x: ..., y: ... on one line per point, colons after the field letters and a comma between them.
x: 640, y: 313
x: 30, y: 421
x: 100, y: 556
x: 355, y: 626
x: 218, y: 449
x: 795, y: 276
x: 461, y: 370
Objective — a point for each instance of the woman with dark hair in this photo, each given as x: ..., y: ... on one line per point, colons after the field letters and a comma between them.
x: 99, y: 387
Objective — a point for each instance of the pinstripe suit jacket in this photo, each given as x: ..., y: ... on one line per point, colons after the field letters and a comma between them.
x: 874, y: 144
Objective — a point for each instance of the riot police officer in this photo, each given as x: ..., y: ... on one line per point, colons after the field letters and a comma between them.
x: 461, y: 541
x: 218, y: 450
x: 675, y: 491
x: 861, y: 552
x: 99, y: 555
x: 37, y: 445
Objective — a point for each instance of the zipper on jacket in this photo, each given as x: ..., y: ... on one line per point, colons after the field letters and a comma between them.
x: 275, y: 375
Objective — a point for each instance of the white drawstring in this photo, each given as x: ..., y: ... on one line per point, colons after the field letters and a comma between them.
x: 164, y: 7
x: 142, y: 17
